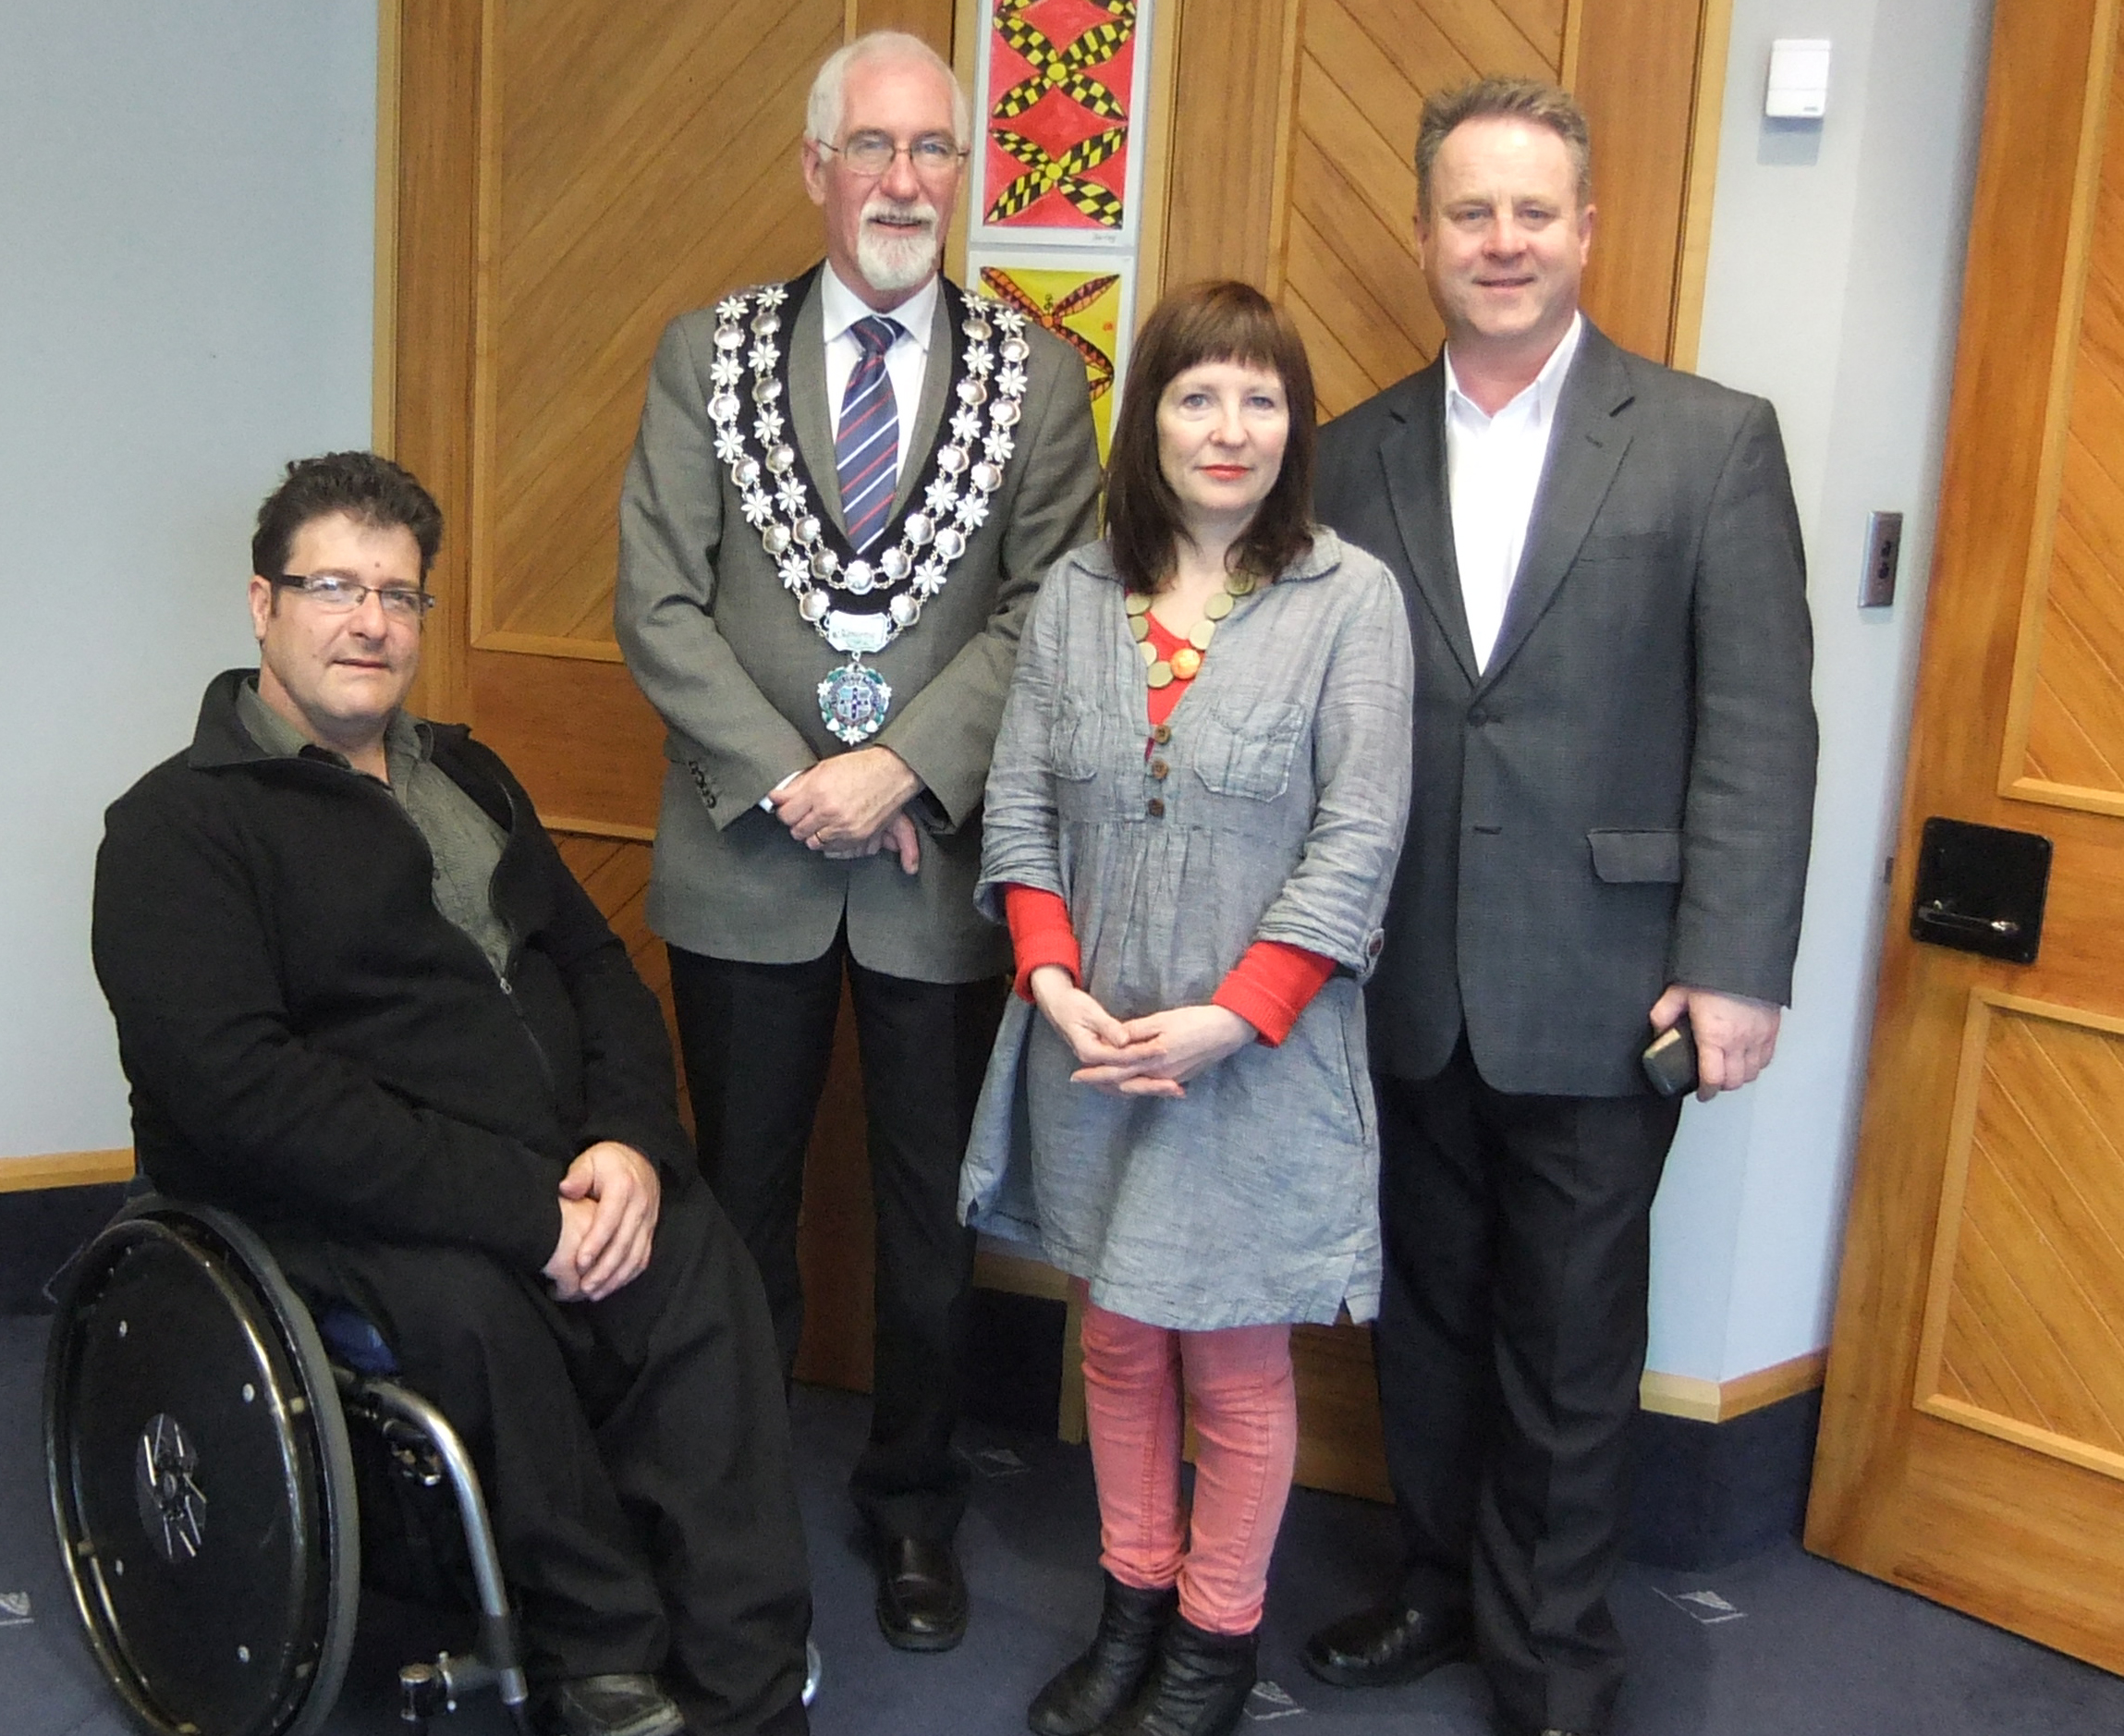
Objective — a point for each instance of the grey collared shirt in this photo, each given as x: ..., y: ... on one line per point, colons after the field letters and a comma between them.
x: 461, y: 837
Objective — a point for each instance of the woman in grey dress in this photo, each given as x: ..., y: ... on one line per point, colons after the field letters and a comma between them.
x: 1191, y: 822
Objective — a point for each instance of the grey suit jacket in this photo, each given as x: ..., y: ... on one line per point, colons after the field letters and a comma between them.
x: 716, y: 643
x: 1624, y: 798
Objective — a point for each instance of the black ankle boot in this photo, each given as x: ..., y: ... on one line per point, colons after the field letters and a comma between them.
x: 1089, y: 1691
x: 1198, y: 1687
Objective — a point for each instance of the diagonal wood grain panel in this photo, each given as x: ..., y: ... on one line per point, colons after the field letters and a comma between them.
x: 2075, y: 727
x: 2029, y: 1317
x: 639, y: 160
x: 1350, y: 275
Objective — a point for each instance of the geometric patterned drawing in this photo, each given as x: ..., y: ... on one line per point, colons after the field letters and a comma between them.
x: 1061, y: 77
x: 1083, y: 308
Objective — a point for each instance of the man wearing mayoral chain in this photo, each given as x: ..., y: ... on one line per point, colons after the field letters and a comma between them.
x: 845, y: 493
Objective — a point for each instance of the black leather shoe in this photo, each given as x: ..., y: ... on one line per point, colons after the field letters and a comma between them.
x: 1098, y: 1684
x: 1389, y: 1642
x: 1197, y: 1686
x: 922, y: 1595
x: 609, y: 1706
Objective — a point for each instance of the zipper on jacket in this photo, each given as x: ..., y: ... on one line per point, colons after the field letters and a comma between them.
x: 501, y: 976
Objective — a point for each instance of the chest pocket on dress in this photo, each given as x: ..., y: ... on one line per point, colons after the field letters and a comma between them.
x: 1246, y: 750
x: 1074, y: 743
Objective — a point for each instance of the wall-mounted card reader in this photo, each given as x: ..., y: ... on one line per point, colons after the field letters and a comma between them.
x: 1884, y: 549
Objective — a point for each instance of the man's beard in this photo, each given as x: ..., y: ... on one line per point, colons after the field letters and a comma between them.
x: 896, y: 260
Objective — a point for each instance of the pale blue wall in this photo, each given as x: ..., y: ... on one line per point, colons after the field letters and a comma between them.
x: 187, y: 239
x: 1833, y: 291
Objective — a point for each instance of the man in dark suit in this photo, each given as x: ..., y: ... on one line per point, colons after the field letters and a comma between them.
x: 845, y: 492
x: 1615, y: 758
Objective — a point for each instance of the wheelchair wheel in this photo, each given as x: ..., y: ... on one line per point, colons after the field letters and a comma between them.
x: 200, y: 1482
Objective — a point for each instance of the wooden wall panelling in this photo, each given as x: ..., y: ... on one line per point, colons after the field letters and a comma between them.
x: 637, y: 164
x: 432, y: 165
x: 1229, y: 119
x: 1637, y: 77
x: 1318, y: 207
x: 1708, y: 109
x: 932, y: 20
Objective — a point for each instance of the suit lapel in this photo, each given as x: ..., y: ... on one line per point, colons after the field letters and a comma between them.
x: 809, y: 416
x: 935, y: 386
x: 1414, y: 457
x: 1591, y: 435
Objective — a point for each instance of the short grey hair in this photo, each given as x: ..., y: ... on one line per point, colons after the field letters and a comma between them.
x: 1532, y: 100
x: 828, y: 101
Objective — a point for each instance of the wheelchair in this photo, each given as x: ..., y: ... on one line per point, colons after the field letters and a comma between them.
x: 212, y: 1506
x: 203, y: 1484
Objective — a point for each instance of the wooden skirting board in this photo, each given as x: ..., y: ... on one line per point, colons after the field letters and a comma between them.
x: 65, y: 1169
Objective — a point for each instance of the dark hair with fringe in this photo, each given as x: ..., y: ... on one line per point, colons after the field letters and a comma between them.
x: 1207, y: 322
x: 370, y: 490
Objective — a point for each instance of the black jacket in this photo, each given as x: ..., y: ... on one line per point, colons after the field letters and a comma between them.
x: 312, y: 1043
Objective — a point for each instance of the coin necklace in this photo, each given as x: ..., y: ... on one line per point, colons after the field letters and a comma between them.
x: 810, y: 552
x: 1188, y: 659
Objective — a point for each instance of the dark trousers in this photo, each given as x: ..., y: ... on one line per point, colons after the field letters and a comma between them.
x: 756, y: 1039
x: 634, y: 1453
x: 1510, y: 1343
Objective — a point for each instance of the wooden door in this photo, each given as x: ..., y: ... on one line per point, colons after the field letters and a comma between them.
x: 1972, y: 1436
x: 560, y: 178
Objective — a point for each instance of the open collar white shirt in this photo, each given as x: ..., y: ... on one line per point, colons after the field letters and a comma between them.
x: 905, y: 362
x: 1492, y: 468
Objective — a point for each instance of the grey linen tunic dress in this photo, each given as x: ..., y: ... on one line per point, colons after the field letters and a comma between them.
x: 1274, y: 811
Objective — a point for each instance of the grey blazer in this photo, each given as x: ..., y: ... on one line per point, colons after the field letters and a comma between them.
x: 716, y: 643
x: 1624, y: 798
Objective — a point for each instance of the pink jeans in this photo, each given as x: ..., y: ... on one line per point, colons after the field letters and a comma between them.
x: 1245, y: 1413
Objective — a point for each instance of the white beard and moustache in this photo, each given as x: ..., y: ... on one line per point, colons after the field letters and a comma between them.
x: 896, y: 260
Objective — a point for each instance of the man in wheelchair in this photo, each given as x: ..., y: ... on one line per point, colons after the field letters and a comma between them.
x: 363, y: 1002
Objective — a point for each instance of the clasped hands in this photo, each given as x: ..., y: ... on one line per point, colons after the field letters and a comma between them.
x: 854, y: 804
x: 608, y: 1204
x: 1150, y: 1056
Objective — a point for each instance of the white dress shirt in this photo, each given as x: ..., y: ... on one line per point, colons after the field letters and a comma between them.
x: 904, y: 361
x: 1493, y: 468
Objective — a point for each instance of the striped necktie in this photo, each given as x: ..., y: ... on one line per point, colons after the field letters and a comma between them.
x: 866, y: 450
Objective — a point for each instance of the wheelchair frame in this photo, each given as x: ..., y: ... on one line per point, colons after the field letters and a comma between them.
x: 308, y: 1399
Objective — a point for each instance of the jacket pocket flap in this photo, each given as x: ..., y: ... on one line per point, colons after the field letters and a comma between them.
x: 1626, y: 858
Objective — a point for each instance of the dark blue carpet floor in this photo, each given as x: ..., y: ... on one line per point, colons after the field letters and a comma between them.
x: 1779, y: 1645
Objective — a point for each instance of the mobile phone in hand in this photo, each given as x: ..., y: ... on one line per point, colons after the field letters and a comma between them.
x: 1670, y: 1059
